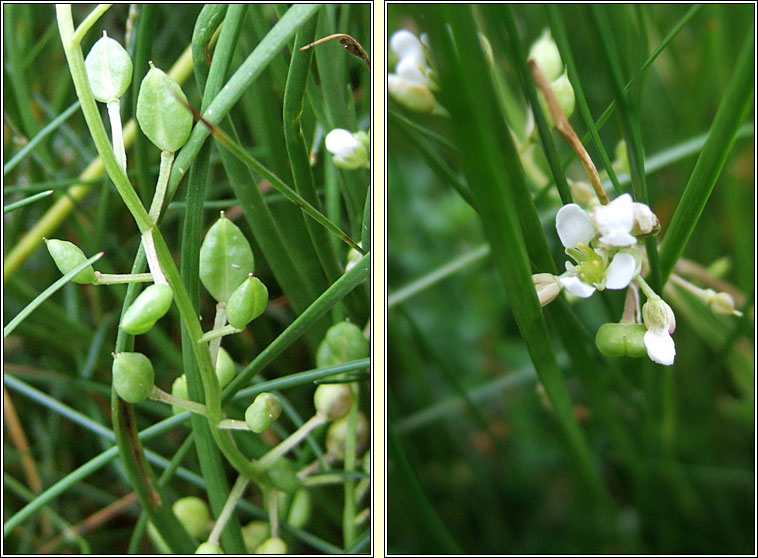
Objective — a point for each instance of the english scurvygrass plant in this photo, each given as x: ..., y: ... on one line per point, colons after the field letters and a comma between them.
x: 526, y: 392
x: 166, y: 336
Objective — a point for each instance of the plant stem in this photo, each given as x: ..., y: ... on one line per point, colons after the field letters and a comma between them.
x: 218, y: 323
x: 167, y: 159
x: 88, y: 22
x: 291, y: 441
x: 231, y: 424
x: 272, y: 503
x: 114, y: 113
x: 120, y: 278
x: 217, y: 333
x: 234, y: 495
x: 194, y: 407
x: 152, y: 258
x: 649, y: 292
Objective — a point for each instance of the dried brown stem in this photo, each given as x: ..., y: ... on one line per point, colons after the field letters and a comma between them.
x: 350, y: 44
x: 564, y: 127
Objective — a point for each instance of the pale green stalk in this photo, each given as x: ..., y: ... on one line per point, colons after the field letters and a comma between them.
x: 234, y: 495
x: 291, y: 441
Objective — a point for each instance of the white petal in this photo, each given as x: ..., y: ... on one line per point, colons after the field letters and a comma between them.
x: 576, y: 287
x: 573, y: 225
x: 621, y: 271
x: 405, y: 43
x: 615, y: 221
x: 341, y: 142
x: 410, y: 69
x: 660, y: 346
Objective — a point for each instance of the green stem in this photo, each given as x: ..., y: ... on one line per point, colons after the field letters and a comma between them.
x: 291, y: 441
x: 26, y: 201
x: 649, y: 292
x: 218, y: 323
x: 231, y: 502
x: 88, y: 22
x: 114, y: 114
x: 217, y: 333
x: 192, y: 406
x: 120, y: 278
x: 167, y: 158
x: 272, y: 503
x: 231, y: 424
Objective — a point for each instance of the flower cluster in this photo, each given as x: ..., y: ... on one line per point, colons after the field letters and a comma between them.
x: 604, y: 247
x: 413, y: 81
x: 349, y: 151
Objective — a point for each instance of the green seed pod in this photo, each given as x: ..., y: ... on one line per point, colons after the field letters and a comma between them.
x: 254, y: 533
x: 300, y: 509
x: 225, y: 368
x: 179, y: 389
x: 163, y: 118
x: 67, y: 256
x: 333, y: 400
x: 109, y: 69
x: 343, y: 342
x: 247, y: 302
x: 193, y: 513
x: 226, y: 259
x: 283, y: 476
x: 545, y: 53
x: 150, y: 306
x: 337, y: 434
x: 274, y: 545
x: 262, y: 412
x: 614, y: 340
x: 133, y: 376
x: 209, y: 548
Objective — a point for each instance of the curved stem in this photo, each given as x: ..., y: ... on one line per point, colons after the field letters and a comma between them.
x: 291, y: 441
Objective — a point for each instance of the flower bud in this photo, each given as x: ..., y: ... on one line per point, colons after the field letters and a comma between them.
x: 193, y: 514
x: 109, y: 69
x: 412, y: 95
x: 344, y: 341
x: 133, y: 376
x: 300, y: 509
x: 348, y: 151
x: 209, y: 548
x: 547, y: 287
x: 67, y: 256
x: 226, y: 259
x: 150, y: 306
x: 225, y: 368
x: 564, y: 92
x: 283, y: 476
x: 337, y: 434
x: 273, y: 545
x: 658, y: 315
x: 333, y: 401
x: 262, y: 412
x: 722, y: 304
x: 247, y: 302
x: 582, y: 193
x: 545, y: 53
x: 161, y: 114
x: 615, y: 340
x: 645, y: 221
x: 254, y: 533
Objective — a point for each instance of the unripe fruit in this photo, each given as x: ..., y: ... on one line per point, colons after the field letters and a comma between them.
x: 247, y: 302
x: 209, y: 548
x: 344, y: 341
x: 274, y: 545
x: 226, y: 259
x: 67, y: 256
x: 133, y: 376
x: 262, y: 412
x: 333, y: 401
x: 179, y: 389
x: 162, y: 117
x: 225, y: 368
x: 150, y: 306
x: 300, y: 509
x: 109, y: 69
x: 337, y: 434
x: 545, y: 53
x: 615, y: 340
x: 254, y: 533
x: 193, y: 514
x: 283, y: 476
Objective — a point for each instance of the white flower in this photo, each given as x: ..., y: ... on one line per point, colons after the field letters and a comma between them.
x: 660, y: 323
x: 645, y: 221
x: 347, y: 150
x: 615, y: 221
x: 593, y: 270
x: 411, y: 84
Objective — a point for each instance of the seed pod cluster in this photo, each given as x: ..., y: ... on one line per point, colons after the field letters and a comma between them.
x: 67, y: 256
x: 161, y: 111
x: 247, y: 302
x: 150, y: 306
x: 226, y: 259
x: 109, y: 69
x: 343, y: 342
x: 133, y: 376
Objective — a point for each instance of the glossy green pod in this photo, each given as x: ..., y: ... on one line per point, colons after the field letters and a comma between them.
x: 615, y: 340
x: 194, y: 515
x: 150, y: 306
x: 247, y: 302
x: 67, y: 256
x: 225, y: 368
x: 109, y: 69
x: 333, y: 401
x: 226, y: 259
x: 300, y: 509
x: 343, y: 342
x: 263, y: 412
x: 179, y: 389
x: 161, y: 112
x: 283, y: 476
x: 133, y: 376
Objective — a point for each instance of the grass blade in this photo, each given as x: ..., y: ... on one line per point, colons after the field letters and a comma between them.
x: 26, y: 201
